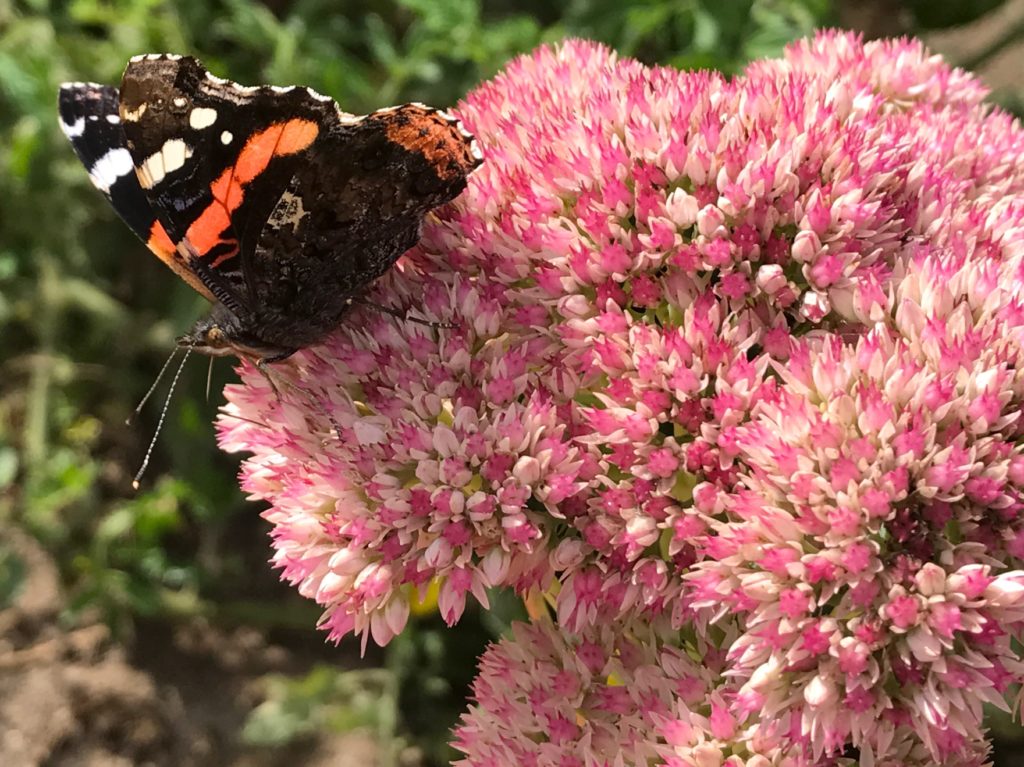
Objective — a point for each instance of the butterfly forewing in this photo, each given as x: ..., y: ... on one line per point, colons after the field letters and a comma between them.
x: 89, y: 118
x: 214, y: 158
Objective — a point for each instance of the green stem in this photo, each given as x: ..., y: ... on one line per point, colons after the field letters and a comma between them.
x: 37, y: 405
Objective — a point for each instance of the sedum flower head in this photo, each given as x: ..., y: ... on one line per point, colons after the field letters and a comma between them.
x: 608, y: 698
x: 736, y: 359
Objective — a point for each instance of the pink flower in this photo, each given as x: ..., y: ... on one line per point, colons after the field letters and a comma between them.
x: 858, y: 546
x: 740, y: 361
x: 619, y: 700
x: 544, y: 697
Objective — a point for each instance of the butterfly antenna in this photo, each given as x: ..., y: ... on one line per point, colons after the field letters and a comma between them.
x: 402, y: 314
x: 145, y: 399
x: 160, y: 422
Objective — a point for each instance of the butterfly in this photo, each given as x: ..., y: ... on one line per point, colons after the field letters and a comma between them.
x: 271, y: 201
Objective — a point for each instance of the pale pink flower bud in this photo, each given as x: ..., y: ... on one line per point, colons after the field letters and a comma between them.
x: 770, y: 278
x: 931, y: 580
x: 820, y: 693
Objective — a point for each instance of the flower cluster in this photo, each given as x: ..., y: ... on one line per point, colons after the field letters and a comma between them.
x: 738, y: 360
x: 605, y: 698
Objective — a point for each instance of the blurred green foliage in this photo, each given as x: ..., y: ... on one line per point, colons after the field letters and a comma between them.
x: 87, y: 316
x: 322, y: 699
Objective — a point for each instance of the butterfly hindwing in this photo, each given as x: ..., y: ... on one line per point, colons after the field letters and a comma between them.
x: 358, y: 226
x: 350, y: 211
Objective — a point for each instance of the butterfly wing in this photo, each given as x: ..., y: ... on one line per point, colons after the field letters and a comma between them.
x: 214, y: 159
x: 350, y: 211
x: 89, y: 118
x: 270, y: 200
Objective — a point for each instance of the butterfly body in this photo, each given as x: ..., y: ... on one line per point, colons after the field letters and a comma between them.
x: 272, y: 202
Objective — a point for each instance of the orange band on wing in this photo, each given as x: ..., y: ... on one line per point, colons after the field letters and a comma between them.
x: 160, y: 243
x: 279, y: 139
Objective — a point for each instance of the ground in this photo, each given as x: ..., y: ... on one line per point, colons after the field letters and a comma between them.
x: 77, y: 698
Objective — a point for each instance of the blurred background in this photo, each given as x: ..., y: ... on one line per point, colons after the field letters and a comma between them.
x: 147, y: 628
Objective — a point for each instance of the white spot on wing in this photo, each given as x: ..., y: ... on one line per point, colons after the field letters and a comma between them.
x: 202, y: 117
x: 151, y: 172
x: 171, y: 157
x: 75, y: 129
x: 155, y: 57
x: 113, y: 119
x: 175, y: 152
x: 180, y: 102
x: 133, y: 115
x: 288, y: 212
x: 109, y: 168
x: 226, y: 137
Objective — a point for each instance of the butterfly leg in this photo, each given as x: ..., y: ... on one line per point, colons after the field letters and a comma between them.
x: 402, y: 315
x: 264, y: 368
x: 280, y: 356
x: 263, y: 365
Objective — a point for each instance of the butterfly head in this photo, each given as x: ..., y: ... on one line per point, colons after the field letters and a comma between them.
x: 207, y: 337
x: 222, y: 335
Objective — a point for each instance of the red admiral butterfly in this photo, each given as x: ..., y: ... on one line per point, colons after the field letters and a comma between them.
x: 271, y: 202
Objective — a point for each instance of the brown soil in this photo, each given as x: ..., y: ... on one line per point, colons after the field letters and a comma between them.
x: 74, y: 697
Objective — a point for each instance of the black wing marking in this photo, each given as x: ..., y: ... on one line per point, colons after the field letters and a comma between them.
x: 89, y: 118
